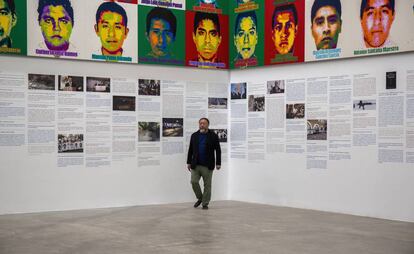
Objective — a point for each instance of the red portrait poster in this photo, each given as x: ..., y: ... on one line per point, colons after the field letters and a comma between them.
x: 284, y: 31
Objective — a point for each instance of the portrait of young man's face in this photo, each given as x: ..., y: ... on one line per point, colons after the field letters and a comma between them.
x: 284, y: 31
x: 326, y: 27
x: 56, y: 25
x: 160, y: 37
x: 207, y: 40
x: 112, y: 31
x: 376, y: 21
x: 245, y: 38
x: 8, y: 20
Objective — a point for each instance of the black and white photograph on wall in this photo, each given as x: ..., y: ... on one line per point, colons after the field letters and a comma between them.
x: 361, y: 105
x: 172, y: 127
x: 256, y: 103
x: 123, y: 103
x: 217, y: 103
x: 148, y: 131
x: 70, y: 143
x: 317, y: 129
x: 41, y: 82
x: 94, y: 84
x: 391, y: 80
x: 222, y: 134
x: 275, y: 86
x: 70, y: 83
x: 295, y: 111
x: 238, y: 91
x: 149, y: 87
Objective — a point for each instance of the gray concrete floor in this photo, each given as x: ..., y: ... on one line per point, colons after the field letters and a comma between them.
x: 227, y: 227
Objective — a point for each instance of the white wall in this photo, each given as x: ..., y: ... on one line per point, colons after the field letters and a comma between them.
x: 32, y: 183
x: 360, y: 186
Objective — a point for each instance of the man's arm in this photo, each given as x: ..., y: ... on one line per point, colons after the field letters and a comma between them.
x: 218, y: 152
x: 190, y: 153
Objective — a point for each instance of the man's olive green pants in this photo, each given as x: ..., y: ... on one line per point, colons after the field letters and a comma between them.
x: 207, y: 175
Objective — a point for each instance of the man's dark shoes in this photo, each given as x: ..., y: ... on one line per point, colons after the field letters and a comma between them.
x: 205, y: 207
x: 197, y: 204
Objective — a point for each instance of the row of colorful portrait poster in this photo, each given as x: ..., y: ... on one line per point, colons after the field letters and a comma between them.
x: 198, y: 33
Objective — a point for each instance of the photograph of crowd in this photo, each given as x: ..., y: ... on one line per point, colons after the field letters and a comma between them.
x: 295, y: 111
x: 317, y: 129
x: 148, y: 131
x: 222, y: 134
x: 70, y: 83
x: 123, y: 103
x: 256, y: 103
x: 41, y: 82
x: 364, y: 105
x: 172, y: 127
x: 217, y: 103
x: 71, y: 143
x: 149, y: 87
x: 275, y: 86
x: 94, y: 84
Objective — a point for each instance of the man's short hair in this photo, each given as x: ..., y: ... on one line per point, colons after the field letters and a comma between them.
x: 164, y: 14
x: 11, y: 5
x: 247, y: 14
x: 317, y: 4
x: 112, y: 7
x: 204, y: 118
x: 365, y: 2
x: 200, y: 16
x: 279, y: 9
x: 64, y: 3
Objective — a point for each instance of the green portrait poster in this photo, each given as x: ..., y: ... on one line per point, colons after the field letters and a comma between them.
x: 246, y: 33
x: 13, y: 33
x: 214, y: 6
x: 161, y: 38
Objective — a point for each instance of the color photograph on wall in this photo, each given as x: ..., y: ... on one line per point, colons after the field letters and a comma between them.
x: 207, y: 40
x: 213, y: 6
x: 112, y: 31
x: 13, y: 31
x: 161, y: 37
x: 284, y: 31
x: 171, y: 4
x: 246, y: 33
x: 55, y: 28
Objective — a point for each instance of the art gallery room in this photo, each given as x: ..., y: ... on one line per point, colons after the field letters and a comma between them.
x: 206, y: 126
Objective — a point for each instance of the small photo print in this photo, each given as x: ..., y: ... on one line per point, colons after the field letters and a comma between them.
x: 172, y: 127
x: 361, y: 105
x: 275, y: 86
x: 217, y: 103
x: 94, y: 84
x: 256, y: 103
x: 70, y: 143
x: 317, y: 129
x: 123, y: 103
x: 391, y: 82
x: 149, y: 87
x: 295, y: 111
x: 238, y: 91
x: 148, y: 131
x: 41, y: 82
x: 222, y: 134
x: 70, y: 83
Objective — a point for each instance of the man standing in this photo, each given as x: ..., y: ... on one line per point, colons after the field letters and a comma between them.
x: 112, y: 28
x: 326, y: 23
x: 161, y: 29
x: 201, y: 160
x: 8, y: 20
x: 377, y: 17
x: 56, y: 22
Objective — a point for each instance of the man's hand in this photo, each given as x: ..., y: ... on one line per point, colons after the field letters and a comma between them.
x: 218, y: 167
x: 189, y: 167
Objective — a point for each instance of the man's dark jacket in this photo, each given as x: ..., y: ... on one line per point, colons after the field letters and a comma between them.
x: 212, y: 143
